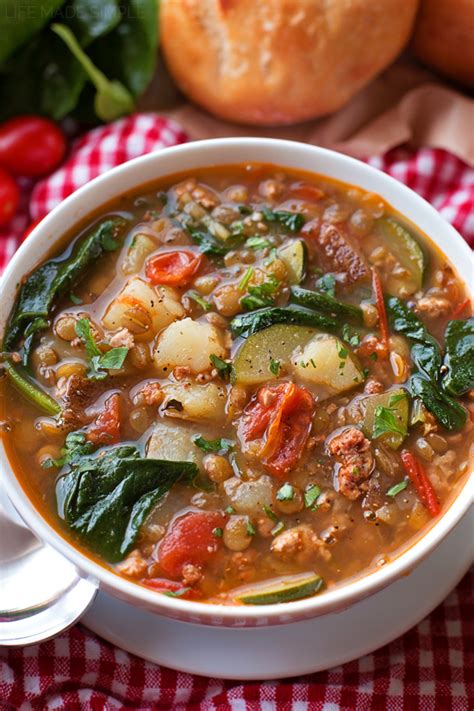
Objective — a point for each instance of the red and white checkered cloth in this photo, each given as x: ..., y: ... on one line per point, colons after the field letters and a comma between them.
x: 430, y: 668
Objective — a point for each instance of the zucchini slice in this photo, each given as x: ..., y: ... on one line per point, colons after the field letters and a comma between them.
x: 295, y: 256
x: 407, y: 251
x: 283, y: 591
x: 260, y: 357
x: 396, y: 406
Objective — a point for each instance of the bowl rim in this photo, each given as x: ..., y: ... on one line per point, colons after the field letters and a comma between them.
x: 344, y: 594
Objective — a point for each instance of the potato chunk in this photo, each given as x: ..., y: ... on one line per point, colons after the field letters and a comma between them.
x: 143, y: 309
x: 190, y: 401
x: 173, y: 441
x: 190, y: 344
x: 327, y: 362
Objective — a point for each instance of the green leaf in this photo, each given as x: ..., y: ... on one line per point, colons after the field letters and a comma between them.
x: 84, y: 331
x: 177, y: 593
x: 459, y: 357
x: 292, y: 221
x: 75, y: 447
x: 213, y: 445
x: 221, y: 366
x: 285, y: 493
x: 386, y: 422
x: 245, y: 279
x: 257, y: 243
x: 105, y: 499
x: 311, y: 495
x: 250, y: 528
x: 425, y: 352
x: 112, y: 98
x: 50, y: 281
x: 114, y: 359
x: 129, y: 52
x: 327, y: 284
x: 260, y: 295
x: 89, y: 19
x: 218, y: 532
x: 205, y: 305
x: 397, y: 488
x: 20, y: 20
x: 447, y: 411
x: 274, y: 367
x: 270, y: 513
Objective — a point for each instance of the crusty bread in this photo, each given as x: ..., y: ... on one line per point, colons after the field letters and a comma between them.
x: 444, y: 37
x: 280, y: 61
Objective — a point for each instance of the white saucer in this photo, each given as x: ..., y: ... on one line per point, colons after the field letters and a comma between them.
x: 292, y: 649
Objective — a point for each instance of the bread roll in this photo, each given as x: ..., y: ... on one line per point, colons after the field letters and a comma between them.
x: 444, y: 37
x: 280, y: 61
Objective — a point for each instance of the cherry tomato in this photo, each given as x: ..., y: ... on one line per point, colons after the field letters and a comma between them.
x: 280, y: 417
x: 31, y: 146
x: 30, y: 228
x: 190, y: 539
x: 9, y: 197
x: 172, y: 268
x: 106, y: 427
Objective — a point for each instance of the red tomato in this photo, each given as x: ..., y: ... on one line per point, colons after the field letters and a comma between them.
x: 106, y: 427
x: 162, y: 585
x: 173, y: 268
x: 30, y: 228
x: 280, y: 416
x: 190, y: 539
x: 9, y: 197
x: 31, y: 145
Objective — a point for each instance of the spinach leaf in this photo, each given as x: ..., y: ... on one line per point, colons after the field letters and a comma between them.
x: 20, y: 20
x: 51, y: 280
x: 112, y: 98
x: 245, y: 325
x: 89, y: 19
x: 425, y: 352
x: 450, y: 413
x: 106, y: 498
x: 75, y: 447
x: 325, y: 303
x: 459, y: 357
x: 292, y: 221
x: 128, y: 53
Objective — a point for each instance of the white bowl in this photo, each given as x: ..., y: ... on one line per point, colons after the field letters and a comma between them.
x: 186, y: 158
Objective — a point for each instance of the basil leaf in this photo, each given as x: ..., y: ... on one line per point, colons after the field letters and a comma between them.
x: 106, y: 498
x: 113, y: 359
x: 221, y: 366
x: 20, y: 20
x: 459, y: 357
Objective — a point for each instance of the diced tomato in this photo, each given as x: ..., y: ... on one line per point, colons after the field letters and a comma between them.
x: 170, y: 586
x: 420, y: 481
x: 280, y: 416
x: 173, y: 268
x: 306, y: 191
x: 383, y: 321
x: 106, y: 427
x: 190, y: 539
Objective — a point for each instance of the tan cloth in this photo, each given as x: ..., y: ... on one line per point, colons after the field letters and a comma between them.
x: 405, y: 104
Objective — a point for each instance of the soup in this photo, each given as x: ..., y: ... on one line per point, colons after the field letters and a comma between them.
x: 241, y: 385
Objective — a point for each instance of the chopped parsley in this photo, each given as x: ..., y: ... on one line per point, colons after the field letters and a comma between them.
x: 278, y: 528
x: 270, y: 513
x: 221, y: 366
x: 217, y: 532
x: 397, y: 488
x: 274, y: 367
x: 385, y: 422
x: 245, y: 279
x: 229, y: 510
x: 257, y: 243
x: 311, y: 495
x: 213, y: 445
x: 351, y: 337
x: 327, y: 284
x: 205, y: 305
x: 177, y: 593
x: 261, y: 295
x: 373, y: 356
x: 285, y: 493
x: 250, y: 528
